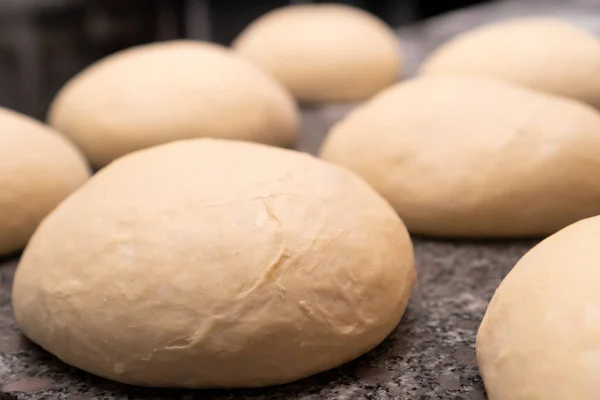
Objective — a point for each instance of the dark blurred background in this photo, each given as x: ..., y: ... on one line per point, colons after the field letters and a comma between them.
x: 44, y: 42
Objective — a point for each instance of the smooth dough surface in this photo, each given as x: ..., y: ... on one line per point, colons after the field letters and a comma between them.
x: 324, y: 52
x: 474, y: 157
x: 542, y: 53
x: 38, y: 169
x: 540, y: 335
x: 209, y: 263
x: 162, y: 92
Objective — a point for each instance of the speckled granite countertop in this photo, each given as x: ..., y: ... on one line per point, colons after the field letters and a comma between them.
x: 431, y: 353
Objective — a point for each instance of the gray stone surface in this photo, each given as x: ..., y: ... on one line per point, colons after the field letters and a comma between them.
x: 430, y: 355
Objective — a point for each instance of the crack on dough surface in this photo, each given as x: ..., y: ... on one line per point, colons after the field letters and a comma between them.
x: 280, y: 257
x: 255, y: 198
x: 207, y: 325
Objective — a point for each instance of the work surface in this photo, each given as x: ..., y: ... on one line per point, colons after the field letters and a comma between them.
x: 430, y: 355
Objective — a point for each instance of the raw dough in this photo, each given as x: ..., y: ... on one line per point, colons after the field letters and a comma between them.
x: 538, y: 52
x: 466, y: 156
x: 324, y: 52
x: 540, y: 337
x: 161, y: 92
x: 208, y: 263
x: 38, y: 169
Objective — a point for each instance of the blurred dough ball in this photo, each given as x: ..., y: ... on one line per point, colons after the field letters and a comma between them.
x: 161, y: 92
x: 541, y: 53
x: 212, y: 263
x: 462, y: 156
x: 38, y: 169
x: 324, y: 52
x: 540, y: 337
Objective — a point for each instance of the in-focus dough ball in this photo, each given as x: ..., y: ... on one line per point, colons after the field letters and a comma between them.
x: 162, y: 92
x: 324, y: 52
x: 38, y: 169
x: 546, y: 54
x: 540, y: 337
x: 474, y: 157
x: 208, y: 263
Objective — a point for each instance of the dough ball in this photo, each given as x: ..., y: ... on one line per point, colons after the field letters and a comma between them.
x: 162, y: 92
x: 474, y: 157
x: 209, y: 263
x: 540, y: 336
x: 538, y: 52
x: 38, y: 169
x: 324, y: 52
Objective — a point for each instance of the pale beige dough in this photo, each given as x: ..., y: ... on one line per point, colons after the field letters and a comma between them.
x: 161, y: 92
x: 542, y: 53
x: 324, y: 52
x: 474, y: 157
x: 38, y: 169
x: 540, y: 337
x: 209, y: 263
